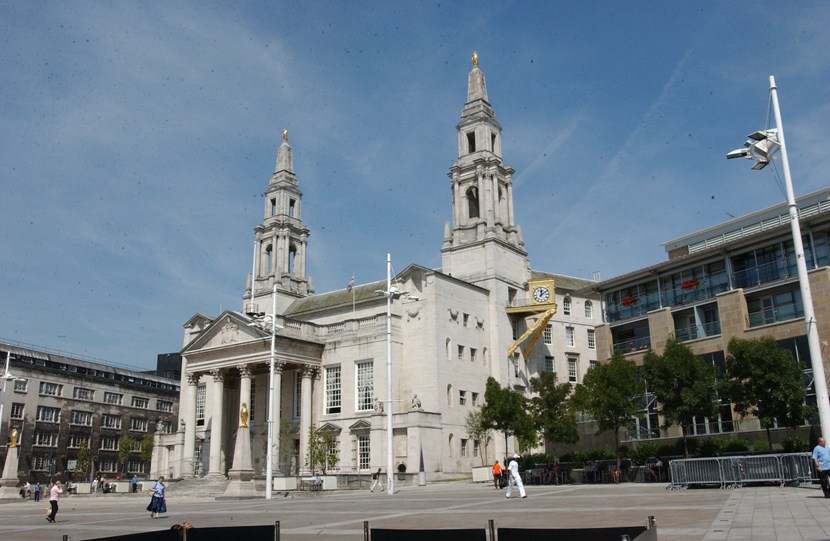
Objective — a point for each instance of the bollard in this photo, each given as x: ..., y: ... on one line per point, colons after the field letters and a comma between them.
x: 277, y: 530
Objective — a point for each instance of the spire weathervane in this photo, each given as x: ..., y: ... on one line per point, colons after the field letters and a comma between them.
x: 475, y: 59
x: 284, y: 135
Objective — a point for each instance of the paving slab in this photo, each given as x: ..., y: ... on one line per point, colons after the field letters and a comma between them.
x: 779, y: 513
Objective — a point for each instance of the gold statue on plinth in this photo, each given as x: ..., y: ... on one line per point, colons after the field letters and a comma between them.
x: 284, y: 135
x: 475, y: 59
x: 14, y: 438
x: 243, y: 416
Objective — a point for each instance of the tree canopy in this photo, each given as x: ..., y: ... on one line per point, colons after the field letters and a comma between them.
x: 764, y: 380
x: 506, y: 410
x: 552, y: 410
x: 683, y: 384
x: 608, y: 393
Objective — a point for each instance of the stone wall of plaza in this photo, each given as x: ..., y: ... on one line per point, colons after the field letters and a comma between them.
x: 64, y: 401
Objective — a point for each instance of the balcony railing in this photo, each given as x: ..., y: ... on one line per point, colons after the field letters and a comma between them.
x: 768, y: 316
x: 698, y: 331
x: 637, y: 344
x: 768, y: 272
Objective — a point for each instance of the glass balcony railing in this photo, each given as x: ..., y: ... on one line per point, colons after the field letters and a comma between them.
x: 776, y: 314
x: 693, y: 292
x: 698, y: 331
x: 767, y: 272
x: 637, y: 344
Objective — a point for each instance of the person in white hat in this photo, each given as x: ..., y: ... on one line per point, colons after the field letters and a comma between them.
x: 513, y: 477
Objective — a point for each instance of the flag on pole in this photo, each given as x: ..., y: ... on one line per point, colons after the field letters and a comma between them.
x: 351, y: 284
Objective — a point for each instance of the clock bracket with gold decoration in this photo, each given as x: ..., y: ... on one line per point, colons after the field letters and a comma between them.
x: 540, y: 301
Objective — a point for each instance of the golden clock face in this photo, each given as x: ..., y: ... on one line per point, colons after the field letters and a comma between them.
x: 541, y: 294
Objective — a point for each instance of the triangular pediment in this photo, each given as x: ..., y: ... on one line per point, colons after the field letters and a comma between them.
x: 362, y: 424
x: 328, y: 427
x: 226, y: 330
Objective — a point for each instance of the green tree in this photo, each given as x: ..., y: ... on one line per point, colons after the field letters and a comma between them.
x: 125, y: 451
x: 147, y: 446
x: 765, y: 381
x: 83, y: 463
x: 477, y: 430
x: 608, y: 393
x: 551, y: 409
x: 321, y: 450
x: 506, y: 411
x: 683, y: 385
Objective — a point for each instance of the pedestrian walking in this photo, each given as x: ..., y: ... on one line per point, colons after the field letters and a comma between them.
x: 821, y: 456
x: 54, y: 494
x: 134, y: 483
x: 38, y: 488
x: 158, y: 503
x: 497, y: 475
x: 376, y: 481
x: 514, y: 478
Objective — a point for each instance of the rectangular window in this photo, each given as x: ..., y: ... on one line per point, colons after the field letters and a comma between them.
x: 473, y: 352
x: 138, y: 425
x: 298, y: 394
x: 333, y: 389
x: 462, y: 398
x: 20, y: 386
x: 592, y: 339
x: 48, y: 415
x: 201, y: 391
x: 363, y: 452
x: 80, y: 393
x: 76, y: 440
x: 50, y: 389
x: 475, y: 399
x: 113, y: 398
x: 547, y: 334
x: 140, y: 402
x: 548, y: 363
x: 592, y: 364
x: 165, y: 426
x: 476, y: 448
x: 135, y: 466
x: 45, y: 439
x: 460, y: 353
x: 109, y: 443
x: 463, y: 447
x: 589, y: 310
x: 572, y: 370
x: 569, y: 337
x: 108, y: 466
x: 365, y: 386
x: 83, y: 418
x: 40, y: 463
x: 164, y: 405
x: 136, y: 446
x: 17, y: 410
x: 110, y: 421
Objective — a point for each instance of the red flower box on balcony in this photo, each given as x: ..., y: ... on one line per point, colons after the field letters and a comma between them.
x: 628, y: 301
x: 689, y: 284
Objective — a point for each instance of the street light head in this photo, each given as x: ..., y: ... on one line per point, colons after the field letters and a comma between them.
x: 760, y: 165
x: 738, y: 153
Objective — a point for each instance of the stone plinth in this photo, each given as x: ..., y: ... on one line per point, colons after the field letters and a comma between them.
x: 9, y: 481
x: 241, y: 474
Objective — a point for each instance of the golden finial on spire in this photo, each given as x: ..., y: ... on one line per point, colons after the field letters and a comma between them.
x: 284, y: 135
x: 475, y: 59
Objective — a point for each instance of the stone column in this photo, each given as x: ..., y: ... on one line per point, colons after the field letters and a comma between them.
x: 216, y: 411
x: 305, y: 418
x: 188, y: 424
x: 277, y: 398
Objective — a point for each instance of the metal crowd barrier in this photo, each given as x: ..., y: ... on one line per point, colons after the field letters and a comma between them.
x: 738, y: 471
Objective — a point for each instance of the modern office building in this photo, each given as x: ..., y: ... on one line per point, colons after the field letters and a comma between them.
x: 737, y: 279
x: 58, y: 403
x: 484, y: 313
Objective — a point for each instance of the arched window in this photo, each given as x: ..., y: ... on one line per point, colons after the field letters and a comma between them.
x: 451, y: 443
x: 589, y: 309
x: 292, y: 256
x: 449, y: 395
x: 472, y: 203
x: 449, y: 349
x: 566, y: 306
x: 269, y: 258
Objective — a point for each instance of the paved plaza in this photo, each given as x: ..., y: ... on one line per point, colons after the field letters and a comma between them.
x: 757, y: 513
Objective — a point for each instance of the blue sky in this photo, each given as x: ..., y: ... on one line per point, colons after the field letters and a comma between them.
x: 138, y: 138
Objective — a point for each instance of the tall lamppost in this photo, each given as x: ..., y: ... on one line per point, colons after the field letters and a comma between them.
x: 761, y: 147
x: 262, y: 322
x: 6, y: 377
x: 390, y: 293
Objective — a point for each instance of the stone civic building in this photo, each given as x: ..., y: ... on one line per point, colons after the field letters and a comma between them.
x: 60, y: 402
x: 484, y: 313
x: 736, y: 279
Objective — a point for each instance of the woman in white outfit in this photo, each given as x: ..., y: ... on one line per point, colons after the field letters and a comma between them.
x: 513, y: 477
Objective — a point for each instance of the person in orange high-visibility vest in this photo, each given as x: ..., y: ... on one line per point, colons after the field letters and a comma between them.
x: 497, y: 475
